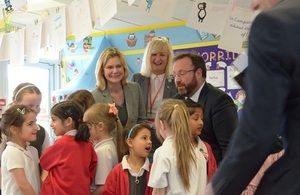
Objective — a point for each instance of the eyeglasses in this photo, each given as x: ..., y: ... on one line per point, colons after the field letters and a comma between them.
x: 181, y: 73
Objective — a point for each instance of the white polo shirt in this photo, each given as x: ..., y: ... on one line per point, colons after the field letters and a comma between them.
x: 164, y: 172
x: 14, y: 156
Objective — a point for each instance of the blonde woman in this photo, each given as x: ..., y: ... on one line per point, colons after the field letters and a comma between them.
x: 155, y: 79
x: 113, y: 87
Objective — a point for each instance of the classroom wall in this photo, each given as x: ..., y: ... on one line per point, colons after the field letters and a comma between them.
x: 79, y: 59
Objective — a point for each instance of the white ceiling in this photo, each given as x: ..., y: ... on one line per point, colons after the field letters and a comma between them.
x: 130, y: 16
x: 126, y: 17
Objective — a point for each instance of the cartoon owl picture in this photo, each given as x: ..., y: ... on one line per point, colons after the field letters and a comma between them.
x: 131, y: 40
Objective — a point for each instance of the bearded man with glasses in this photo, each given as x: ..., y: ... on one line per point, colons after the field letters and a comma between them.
x: 220, y: 114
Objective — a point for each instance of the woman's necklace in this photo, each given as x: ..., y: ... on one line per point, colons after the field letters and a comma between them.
x: 118, y: 98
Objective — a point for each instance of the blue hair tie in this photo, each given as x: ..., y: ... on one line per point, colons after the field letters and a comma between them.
x: 131, y: 130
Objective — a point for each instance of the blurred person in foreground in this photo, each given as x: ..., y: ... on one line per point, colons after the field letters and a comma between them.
x: 272, y: 106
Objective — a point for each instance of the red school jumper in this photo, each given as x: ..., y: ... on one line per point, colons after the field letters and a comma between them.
x: 117, y: 182
x: 71, y: 167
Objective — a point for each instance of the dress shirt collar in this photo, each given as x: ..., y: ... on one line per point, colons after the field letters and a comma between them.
x: 196, y: 95
x: 160, y: 77
x: 125, y: 165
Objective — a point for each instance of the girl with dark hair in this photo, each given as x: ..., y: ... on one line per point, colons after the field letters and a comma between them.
x: 132, y: 174
x: 72, y: 156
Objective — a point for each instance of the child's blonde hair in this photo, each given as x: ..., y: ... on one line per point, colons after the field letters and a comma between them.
x: 100, y: 112
x: 174, y: 113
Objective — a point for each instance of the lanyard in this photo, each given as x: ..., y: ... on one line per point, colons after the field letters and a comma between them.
x: 156, y: 94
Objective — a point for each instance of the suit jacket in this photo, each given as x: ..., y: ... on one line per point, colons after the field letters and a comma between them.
x: 169, y: 90
x: 272, y: 107
x: 134, y: 101
x: 220, y: 118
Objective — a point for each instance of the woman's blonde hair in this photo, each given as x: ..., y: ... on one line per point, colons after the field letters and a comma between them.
x: 174, y: 113
x: 156, y: 45
x: 106, y: 54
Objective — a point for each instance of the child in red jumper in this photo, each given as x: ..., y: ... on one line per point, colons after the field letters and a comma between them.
x: 132, y: 174
x: 69, y: 165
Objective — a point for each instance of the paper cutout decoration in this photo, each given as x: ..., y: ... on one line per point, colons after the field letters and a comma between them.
x: 236, y: 29
x: 163, y: 9
x: 208, y: 16
x: 79, y: 19
x: 33, y: 43
x: 16, y: 41
x: 106, y: 9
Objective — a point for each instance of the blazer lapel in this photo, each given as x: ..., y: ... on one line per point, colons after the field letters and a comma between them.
x: 128, y: 99
x: 167, y: 89
x: 107, y: 97
x: 144, y: 86
x: 203, y: 94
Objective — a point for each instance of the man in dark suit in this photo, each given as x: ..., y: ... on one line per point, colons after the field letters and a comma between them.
x: 272, y: 106
x: 220, y: 114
